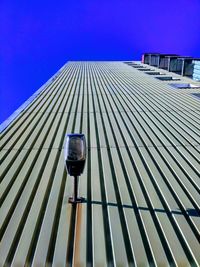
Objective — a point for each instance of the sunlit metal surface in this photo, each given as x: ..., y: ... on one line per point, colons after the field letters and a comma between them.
x: 141, y: 181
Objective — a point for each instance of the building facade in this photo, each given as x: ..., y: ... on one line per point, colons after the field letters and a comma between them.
x: 141, y: 181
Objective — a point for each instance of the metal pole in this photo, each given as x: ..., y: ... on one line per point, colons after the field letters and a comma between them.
x: 183, y: 67
x: 75, y: 199
x: 75, y: 188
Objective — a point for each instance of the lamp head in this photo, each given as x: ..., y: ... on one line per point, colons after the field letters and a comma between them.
x: 75, y: 154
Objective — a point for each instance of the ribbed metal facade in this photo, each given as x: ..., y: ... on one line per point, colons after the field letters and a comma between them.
x: 141, y: 181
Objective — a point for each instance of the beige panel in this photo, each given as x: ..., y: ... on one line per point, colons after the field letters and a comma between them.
x: 141, y: 181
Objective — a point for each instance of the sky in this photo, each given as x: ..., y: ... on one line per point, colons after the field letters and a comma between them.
x: 38, y: 37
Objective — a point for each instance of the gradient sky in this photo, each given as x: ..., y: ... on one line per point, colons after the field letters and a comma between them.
x: 38, y: 37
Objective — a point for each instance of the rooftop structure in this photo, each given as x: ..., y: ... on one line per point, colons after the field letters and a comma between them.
x: 141, y: 181
x: 183, y: 65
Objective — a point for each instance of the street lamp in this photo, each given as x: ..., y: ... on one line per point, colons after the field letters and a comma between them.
x: 75, y: 157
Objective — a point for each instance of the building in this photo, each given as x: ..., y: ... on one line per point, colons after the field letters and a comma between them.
x: 141, y: 181
x: 183, y: 65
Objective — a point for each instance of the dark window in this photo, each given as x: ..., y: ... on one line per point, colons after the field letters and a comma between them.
x: 138, y: 66
x: 133, y: 64
x: 154, y: 73
x: 184, y: 85
x: 143, y: 69
x: 196, y: 95
x: 167, y: 78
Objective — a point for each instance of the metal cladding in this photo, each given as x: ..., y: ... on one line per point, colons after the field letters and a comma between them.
x: 141, y: 181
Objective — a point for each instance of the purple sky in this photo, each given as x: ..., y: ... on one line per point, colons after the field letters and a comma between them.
x: 38, y: 37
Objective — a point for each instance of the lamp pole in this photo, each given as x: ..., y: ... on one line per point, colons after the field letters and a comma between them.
x: 75, y: 199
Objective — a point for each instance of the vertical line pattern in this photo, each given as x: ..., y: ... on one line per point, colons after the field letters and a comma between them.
x: 147, y: 144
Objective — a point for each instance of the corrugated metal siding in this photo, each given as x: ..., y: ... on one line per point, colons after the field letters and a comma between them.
x: 141, y: 181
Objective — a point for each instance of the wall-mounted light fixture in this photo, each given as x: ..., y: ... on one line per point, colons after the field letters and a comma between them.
x: 75, y: 157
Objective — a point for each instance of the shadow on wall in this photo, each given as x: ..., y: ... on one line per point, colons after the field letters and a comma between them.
x: 190, y: 212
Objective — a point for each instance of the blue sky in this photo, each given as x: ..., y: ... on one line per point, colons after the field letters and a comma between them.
x: 38, y: 37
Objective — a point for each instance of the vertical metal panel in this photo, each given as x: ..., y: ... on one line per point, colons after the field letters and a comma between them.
x: 141, y: 181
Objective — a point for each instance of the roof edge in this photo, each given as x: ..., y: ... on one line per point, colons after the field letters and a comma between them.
x: 15, y: 114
